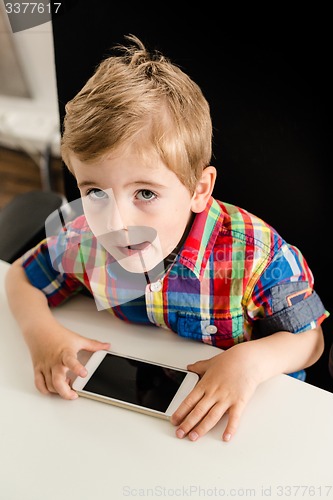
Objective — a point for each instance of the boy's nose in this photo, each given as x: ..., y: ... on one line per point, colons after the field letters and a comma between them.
x: 115, y: 220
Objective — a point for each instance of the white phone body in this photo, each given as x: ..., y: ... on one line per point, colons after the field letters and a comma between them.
x: 135, y: 384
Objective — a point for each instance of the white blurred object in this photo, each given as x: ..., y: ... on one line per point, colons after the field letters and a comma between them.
x: 34, y: 130
x: 28, y: 126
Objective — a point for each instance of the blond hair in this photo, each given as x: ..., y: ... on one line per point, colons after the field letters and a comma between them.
x: 140, y: 98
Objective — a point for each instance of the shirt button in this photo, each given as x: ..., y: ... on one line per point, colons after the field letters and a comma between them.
x: 211, y: 329
x: 156, y: 287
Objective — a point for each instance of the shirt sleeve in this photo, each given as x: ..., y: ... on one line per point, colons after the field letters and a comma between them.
x: 283, y: 298
x: 57, y: 286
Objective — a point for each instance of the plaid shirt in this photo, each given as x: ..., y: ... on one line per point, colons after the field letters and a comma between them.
x: 234, y: 279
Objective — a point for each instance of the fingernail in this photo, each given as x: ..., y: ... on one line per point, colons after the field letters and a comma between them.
x: 180, y: 433
x: 193, y: 436
x: 227, y: 437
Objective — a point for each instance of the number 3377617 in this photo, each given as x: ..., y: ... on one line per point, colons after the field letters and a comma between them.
x: 31, y: 7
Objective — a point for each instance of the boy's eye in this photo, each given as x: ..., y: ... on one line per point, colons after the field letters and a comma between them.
x: 97, y: 194
x: 145, y: 195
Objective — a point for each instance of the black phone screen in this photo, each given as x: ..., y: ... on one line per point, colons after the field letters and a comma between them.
x: 136, y: 382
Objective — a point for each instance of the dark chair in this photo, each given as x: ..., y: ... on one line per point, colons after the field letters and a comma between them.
x: 22, y: 221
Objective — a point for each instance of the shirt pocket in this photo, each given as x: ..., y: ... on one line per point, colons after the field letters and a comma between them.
x: 219, y: 332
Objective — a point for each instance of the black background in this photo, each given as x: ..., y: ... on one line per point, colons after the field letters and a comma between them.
x: 267, y: 77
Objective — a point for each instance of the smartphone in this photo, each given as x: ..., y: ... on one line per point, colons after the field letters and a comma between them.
x: 135, y: 384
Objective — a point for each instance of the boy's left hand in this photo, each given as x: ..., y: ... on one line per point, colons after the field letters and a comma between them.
x: 227, y: 382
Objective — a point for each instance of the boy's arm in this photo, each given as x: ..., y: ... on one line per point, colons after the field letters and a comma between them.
x: 53, y: 348
x: 228, y: 380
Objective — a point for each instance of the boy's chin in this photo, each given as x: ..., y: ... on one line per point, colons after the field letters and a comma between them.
x: 135, y: 264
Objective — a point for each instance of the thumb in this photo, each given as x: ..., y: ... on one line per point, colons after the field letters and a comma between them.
x: 96, y: 345
x: 199, y: 367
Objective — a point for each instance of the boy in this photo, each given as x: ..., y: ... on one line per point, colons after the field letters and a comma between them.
x: 154, y: 247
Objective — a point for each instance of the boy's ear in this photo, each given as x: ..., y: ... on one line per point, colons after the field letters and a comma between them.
x: 203, y: 189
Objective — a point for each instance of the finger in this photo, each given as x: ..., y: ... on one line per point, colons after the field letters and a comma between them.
x: 70, y: 361
x: 186, y: 406
x: 48, y: 381
x: 62, y: 386
x: 200, y: 367
x: 40, y: 383
x: 235, y: 413
x: 213, y: 416
x: 95, y: 345
x: 193, y: 419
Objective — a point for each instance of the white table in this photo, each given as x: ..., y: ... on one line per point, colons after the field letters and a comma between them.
x: 52, y: 449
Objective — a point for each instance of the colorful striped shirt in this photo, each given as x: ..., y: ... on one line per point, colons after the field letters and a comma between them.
x: 234, y: 279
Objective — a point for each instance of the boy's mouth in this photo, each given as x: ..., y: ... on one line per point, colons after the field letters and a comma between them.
x: 139, y: 246
x: 133, y: 241
x: 134, y: 248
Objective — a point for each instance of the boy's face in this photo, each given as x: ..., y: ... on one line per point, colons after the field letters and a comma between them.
x: 137, y: 211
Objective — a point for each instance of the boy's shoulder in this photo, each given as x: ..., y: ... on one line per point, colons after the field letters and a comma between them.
x: 242, y: 225
x: 227, y: 233
x: 233, y: 214
x: 79, y: 225
x: 75, y: 231
x: 71, y: 236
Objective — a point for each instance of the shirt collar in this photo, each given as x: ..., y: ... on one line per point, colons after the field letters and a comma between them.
x: 201, y: 239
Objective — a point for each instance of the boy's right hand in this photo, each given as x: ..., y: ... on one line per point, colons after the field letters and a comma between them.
x: 54, y: 355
